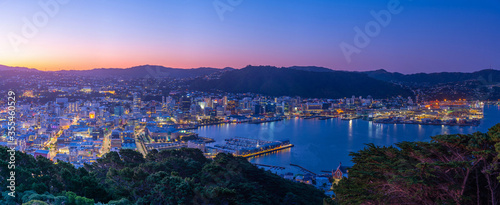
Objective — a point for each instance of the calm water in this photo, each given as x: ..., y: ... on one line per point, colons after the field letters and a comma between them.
x: 322, y: 144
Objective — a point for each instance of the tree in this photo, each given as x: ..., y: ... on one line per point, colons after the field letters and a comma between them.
x: 459, y: 169
x: 182, y: 176
x: 131, y: 157
x: 36, y: 202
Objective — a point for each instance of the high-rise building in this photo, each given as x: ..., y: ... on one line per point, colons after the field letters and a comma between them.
x: 119, y: 110
x: 257, y: 109
x: 73, y: 153
x: 231, y: 106
x: 224, y: 100
x: 136, y: 104
x: 270, y: 108
x: 220, y: 111
x: 185, y: 107
x: 73, y: 107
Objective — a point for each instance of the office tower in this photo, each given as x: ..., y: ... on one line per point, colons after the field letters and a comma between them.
x: 136, y: 104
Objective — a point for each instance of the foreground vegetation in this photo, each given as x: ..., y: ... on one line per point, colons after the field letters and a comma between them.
x: 167, y: 177
x: 450, y: 169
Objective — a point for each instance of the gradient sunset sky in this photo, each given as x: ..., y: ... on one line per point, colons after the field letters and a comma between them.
x: 426, y: 36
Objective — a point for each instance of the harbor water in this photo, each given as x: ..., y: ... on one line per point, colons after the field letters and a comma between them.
x: 323, y: 144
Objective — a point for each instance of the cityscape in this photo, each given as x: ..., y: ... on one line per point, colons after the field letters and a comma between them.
x: 80, y: 122
x: 249, y: 102
x: 81, y: 130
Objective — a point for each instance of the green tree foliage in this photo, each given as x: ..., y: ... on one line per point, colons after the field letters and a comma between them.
x: 451, y: 169
x: 42, y: 175
x: 32, y: 197
x: 36, y: 202
x: 73, y: 199
x: 168, y: 177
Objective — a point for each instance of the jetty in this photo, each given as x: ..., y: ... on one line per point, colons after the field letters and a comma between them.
x: 303, y: 169
x: 247, y: 147
x: 269, y: 166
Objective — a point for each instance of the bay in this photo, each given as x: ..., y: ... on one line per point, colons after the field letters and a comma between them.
x: 323, y: 144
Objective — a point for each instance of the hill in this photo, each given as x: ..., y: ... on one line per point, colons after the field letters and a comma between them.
x: 8, y: 68
x: 486, y: 76
x: 145, y: 71
x: 311, y: 68
x: 168, y: 177
x: 275, y: 81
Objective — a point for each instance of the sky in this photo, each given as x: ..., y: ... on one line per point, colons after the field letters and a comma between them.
x: 399, y: 36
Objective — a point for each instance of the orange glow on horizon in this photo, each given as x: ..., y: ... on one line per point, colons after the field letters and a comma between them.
x: 64, y: 54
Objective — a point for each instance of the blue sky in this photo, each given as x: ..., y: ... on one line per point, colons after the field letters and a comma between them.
x: 426, y: 36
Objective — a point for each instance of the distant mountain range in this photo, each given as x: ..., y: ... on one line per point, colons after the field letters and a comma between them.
x: 306, y: 81
x: 489, y: 76
x: 161, y: 71
x: 301, y: 81
x: 8, y: 68
x: 145, y: 71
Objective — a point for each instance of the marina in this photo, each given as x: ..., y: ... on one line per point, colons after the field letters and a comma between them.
x: 247, y: 147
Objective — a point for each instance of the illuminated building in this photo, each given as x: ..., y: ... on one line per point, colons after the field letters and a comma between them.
x: 116, y: 141
x: 28, y: 94
x: 73, y: 107
x: 231, y: 106
x: 118, y: 110
x: 86, y: 89
x: 137, y: 104
x: 107, y: 91
x: 185, y: 107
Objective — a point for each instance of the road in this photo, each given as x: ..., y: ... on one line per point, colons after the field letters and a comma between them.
x: 106, y: 143
x: 51, y: 144
x: 139, y: 142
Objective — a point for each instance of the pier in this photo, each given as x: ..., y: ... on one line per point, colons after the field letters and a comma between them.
x: 303, y: 169
x: 267, y: 151
x: 247, y: 147
x: 269, y: 166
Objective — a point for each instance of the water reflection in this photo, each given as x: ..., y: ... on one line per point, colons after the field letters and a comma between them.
x: 350, y: 129
x: 320, y: 145
x: 370, y: 129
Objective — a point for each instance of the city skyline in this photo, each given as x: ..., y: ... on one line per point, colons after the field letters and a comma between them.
x: 419, y: 36
x: 249, y: 102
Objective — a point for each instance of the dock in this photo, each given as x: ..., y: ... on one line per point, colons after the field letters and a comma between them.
x: 303, y: 169
x: 267, y: 151
x: 247, y: 147
x: 269, y: 166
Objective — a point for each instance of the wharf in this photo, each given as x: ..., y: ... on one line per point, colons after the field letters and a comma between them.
x: 267, y: 151
x: 303, y: 169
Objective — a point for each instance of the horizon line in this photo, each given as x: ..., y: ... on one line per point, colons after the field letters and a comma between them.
x: 124, y: 68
